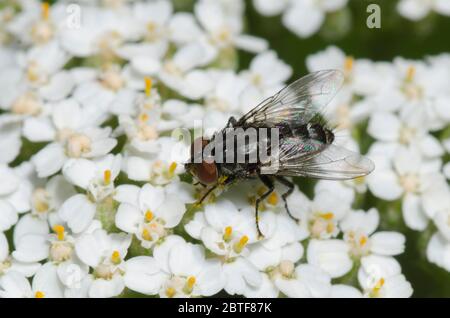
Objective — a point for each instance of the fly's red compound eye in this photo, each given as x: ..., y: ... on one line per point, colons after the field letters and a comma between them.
x: 206, y: 172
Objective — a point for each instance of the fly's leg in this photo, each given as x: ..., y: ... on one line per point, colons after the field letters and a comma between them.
x: 199, y: 202
x: 269, y: 184
x: 284, y: 196
x: 231, y: 122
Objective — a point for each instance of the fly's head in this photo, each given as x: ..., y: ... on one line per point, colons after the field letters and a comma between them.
x: 203, y: 169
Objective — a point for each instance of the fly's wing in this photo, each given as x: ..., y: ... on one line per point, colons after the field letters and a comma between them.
x: 297, y: 103
x: 309, y: 158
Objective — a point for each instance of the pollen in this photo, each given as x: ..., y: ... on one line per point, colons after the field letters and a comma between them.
x: 115, y: 257
x: 170, y: 292
x: 191, y: 281
x: 59, y: 230
x: 143, y: 117
x: 146, y: 235
x: 327, y: 216
x: 273, y: 199
x: 377, y: 287
x: 39, y: 294
x: 363, y: 240
x: 107, y: 177
x: 172, y: 168
x: 410, y: 73
x: 228, y: 233
x: 330, y: 227
x: 348, y: 64
x: 45, y: 10
x: 239, y: 246
x: 148, y: 86
x: 149, y: 216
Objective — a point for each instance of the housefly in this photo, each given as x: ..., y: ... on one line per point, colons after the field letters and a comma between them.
x: 304, y: 144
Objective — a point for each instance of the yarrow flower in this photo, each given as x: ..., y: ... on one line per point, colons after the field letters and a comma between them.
x: 96, y: 115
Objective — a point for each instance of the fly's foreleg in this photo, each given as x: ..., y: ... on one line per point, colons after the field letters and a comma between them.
x: 289, y: 191
x: 269, y: 184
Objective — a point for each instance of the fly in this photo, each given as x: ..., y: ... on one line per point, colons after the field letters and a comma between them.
x: 296, y: 139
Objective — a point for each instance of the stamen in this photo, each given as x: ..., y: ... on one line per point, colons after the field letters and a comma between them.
x: 45, y: 10
x: 39, y: 294
x: 330, y: 227
x: 239, y: 246
x: 115, y: 257
x: 146, y: 235
x: 148, y: 86
x: 107, y: 177
x: 410, y: 73
x: 327, y: 216
x: 363, y: 240
x: 227, y: 234
x: 149, y: 216
x: 59, y: 230
x: 143, y: 117
x: 172, y: 168
x: 170, y: 292
x: 273, y: 199
x: 348, y: 64
x: 189, y: 285
x: 378, y: 285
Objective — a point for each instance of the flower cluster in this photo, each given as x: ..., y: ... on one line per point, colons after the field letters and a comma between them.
x: 306, y: 17
x: 94, y: 198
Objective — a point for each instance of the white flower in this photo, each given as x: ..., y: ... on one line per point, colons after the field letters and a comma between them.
x: 105, y: 254
x: 438, y: 251
x: 332, y: 256
x: 45, y: 284
x: 276, y: 264
x: 323, y: 214
x: 359, y: 228
x: 72, y: 136
x: 306, y: 281
x: 380, y: 276
x: 152, y: 211
x: 411, y: 179
x: 9, y: 263
x: 409, y: 130
x: 305, y: 17
x: 177, y: 269
x: 227, y: 232
x: 160, y: 167
x: 417, y: 9
x: 225, y: 30
x: 97, y: 178
x: 180, y: 72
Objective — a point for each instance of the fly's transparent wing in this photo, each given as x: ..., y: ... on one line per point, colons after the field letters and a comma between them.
x: 320, y: 161
x: 297, y: 103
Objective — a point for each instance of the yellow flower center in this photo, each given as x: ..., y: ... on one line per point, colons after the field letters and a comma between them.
x: 239, y: 246
x: 227, y: 233
x: 39, y: 294
x: 189, y: 285
x: 115, y: 257
x: 148, y: 86
x: 146, y: 235
x: 348, y: 64
x: 170, y: 292
x: 273, y: 199
x: 59, y: 230
x: 77, y: 145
